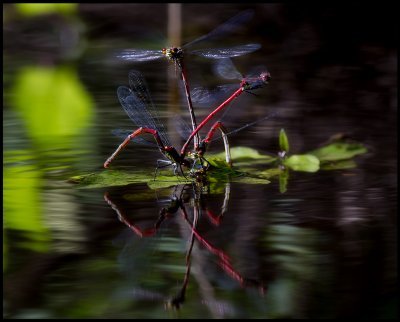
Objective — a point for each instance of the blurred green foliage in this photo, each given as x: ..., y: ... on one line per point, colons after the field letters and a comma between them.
x: 338, y: 151
x: 52, y: 102
x: 34, y: 9
x: 55, y: 109
x: 23, y: 183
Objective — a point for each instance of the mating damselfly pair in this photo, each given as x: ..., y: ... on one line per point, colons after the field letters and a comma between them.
x: 137, y: 103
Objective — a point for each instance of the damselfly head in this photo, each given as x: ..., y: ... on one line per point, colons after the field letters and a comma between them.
x: 173, y: 53
x: 265, y: 77
x: 256, y: 82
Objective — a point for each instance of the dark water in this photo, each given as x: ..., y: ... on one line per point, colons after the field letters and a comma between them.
x: 325, y: 248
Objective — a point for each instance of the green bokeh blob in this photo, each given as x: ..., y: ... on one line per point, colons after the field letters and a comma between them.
x: 52, y: 103
x: 35, y: 9
x: 22, y: 207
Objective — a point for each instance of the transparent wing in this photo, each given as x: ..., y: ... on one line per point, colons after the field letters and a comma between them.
x: 217, y: 95
x: 256, y: 71
x: 138, y: 105
x: 235, y: 131
x: 139, y: 54
x: 226, y: 69
x: 218, y: 53
x: 183, y: 128
x: 226, y: 28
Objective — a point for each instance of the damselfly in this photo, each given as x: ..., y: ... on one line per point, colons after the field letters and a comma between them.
x: 137, y: 103
x: 176, y: 54
x: 247, y: 84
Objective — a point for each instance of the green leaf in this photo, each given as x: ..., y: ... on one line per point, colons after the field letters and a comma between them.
x: 109, y: 178
x: 303, y: 162
x: 220, y: 172
x: 242, y: 152
x: 243, y: 157
x: 339, y: 151
x: 219, y: 164
x: 283, y: 141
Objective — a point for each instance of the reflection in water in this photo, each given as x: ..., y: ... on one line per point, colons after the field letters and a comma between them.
x: 184, y: 198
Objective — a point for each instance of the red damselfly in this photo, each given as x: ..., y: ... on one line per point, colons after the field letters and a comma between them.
x: 247, y: 84
x: 176, y: 54
x: 137, y: 103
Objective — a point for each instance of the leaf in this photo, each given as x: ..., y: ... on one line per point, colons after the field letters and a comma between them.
x: 219, y: 168
x: 220, y: 172
x: 302, y: 162
x: 283, y: 141
x: 339, y: 151
x: 108, y: 178
x: 243, y: 153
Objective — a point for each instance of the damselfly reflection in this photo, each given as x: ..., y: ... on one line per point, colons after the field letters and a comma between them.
x: 188, y: 208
